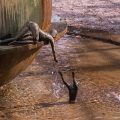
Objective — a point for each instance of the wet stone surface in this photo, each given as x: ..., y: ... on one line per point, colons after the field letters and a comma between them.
x: 39, y: 94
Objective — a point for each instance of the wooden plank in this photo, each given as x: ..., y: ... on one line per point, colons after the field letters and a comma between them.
x: 14, y: 13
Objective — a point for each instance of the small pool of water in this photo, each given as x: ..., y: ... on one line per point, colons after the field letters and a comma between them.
x: 39, y: 94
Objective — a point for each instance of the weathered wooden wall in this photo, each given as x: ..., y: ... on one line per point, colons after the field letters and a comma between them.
x: 14, y: 13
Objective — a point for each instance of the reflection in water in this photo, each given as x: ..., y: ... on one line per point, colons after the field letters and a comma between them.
x: 39, y: 94
x: 57, y: 87
x: 117, y: 96
x: 114, y: 95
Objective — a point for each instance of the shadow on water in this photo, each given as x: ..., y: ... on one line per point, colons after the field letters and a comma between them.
x: 110, y: 67
x: 102, y: 40
x: 38, y: 105
x: 51, y: 104
x: 89, y: 59
x: 23, y: 109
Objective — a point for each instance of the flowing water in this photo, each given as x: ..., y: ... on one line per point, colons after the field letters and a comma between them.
x: 39, y: 94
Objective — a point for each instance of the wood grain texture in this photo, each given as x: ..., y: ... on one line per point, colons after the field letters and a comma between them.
x: 15, y: 13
